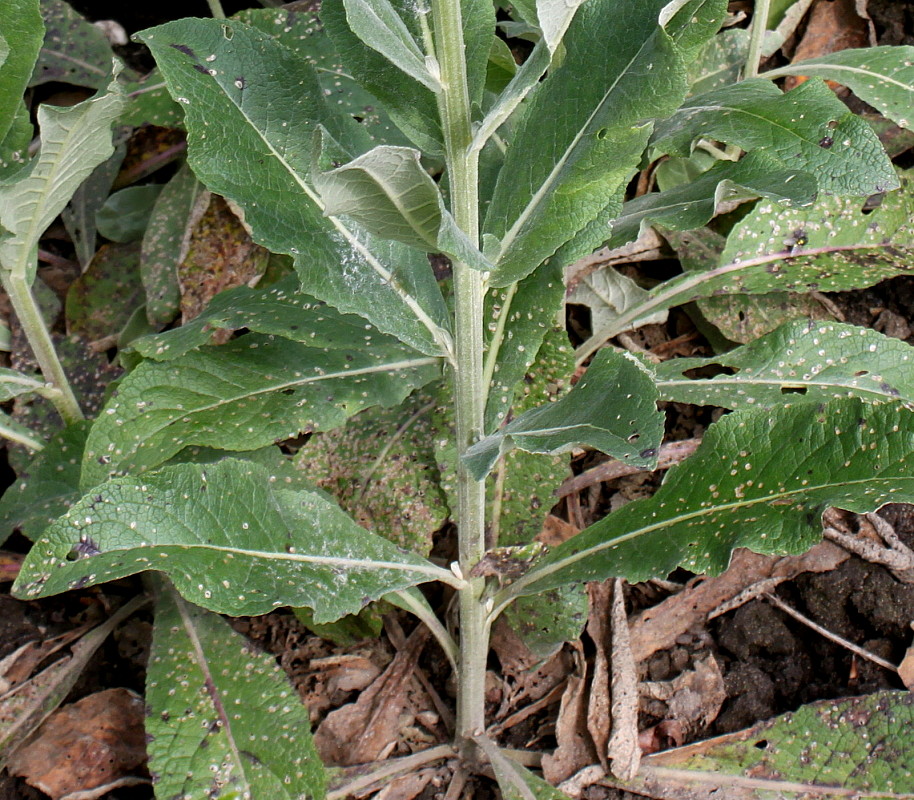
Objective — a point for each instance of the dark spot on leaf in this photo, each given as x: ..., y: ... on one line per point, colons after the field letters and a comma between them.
x: 79, y: 584
x: 165, y: 716
x: 183, y: 48
x: 826, y: 142
x: 201, y: 68
x: 861, y: 373
x: 287, y: 391
x: 240, y: 82
x: 250, y: 757
x: 650, y: 452
x: 889, y: 389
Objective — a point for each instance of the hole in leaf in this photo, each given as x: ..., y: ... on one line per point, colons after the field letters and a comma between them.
x: 793, y: 390
x: 602, y: 133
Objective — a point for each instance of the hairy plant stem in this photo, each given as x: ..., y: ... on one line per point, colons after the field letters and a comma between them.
x: 40, y: 340
x: 756, y: 37
x: 468, y: 382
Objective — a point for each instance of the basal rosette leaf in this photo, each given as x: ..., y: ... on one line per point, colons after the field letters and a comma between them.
x: 250, y: 392
x: 230, y: 79
x: 580, y: 140
x: 220, y: 715
x: 802, y: 361
x: 807, y: 129
x: 880, y: 76
x: 761, y: 479
x: 229, y: 538
x: 612, y: 408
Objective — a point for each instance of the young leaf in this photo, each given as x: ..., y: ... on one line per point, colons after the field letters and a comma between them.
x: 880, y: 76
x: 609, y: 294
x: 558, y: 178
x: 835, y: 245
x: 478, y: 18
x: 516, y: 782
x: 691, y: 205
x: 554, y: 17
x: 760, y: 479
x: 230, y: 89
x: 411, y: 105
x: 250, y: 392
x: 47, y: 487
x: 612, y: 408
x: 221, y: 716
x: 230, y: 540
x: 73, y: 142
x: 520, y: 317
x: 378, y: 25
x: 807, y: 129
x: 125, y: 214
x: 21, y: 34
x: 821, y: 749
x: 389, y: 192
x: 802, y: 361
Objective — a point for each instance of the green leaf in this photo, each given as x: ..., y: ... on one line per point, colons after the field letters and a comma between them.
x: 21, y: 34
x: 14, y: 147
x: 580, y: 140
x: 74, y: 51
x: 200, y: 674
x: 73, y: 142
x: 388, y: 191
x: 854, y: 746
x: 14, y: 383
x: 149, y: 103
x: 231, y: 115
x: 380, y: 466
x: 693, y: 23
x: 807, y: 129
x: 880, y: 76
x: 802, y: 361
x: 163, y: 245
x: 478, y: 18
x: 720, y: 62
x: 228, y: 537
x: 760, y: 479
x: 411, y: 105
x: 835, y: 245
x: 609, y: 294
x: 691, y: 205
x: 519, y: 317
x: 303, y: 31
x: 101, y: 301
x: 125, y: 214
x: 517, y: 782
x: 612, y: 408
x: 377, y: 24
x: 47, y: 487
x: 250, y: 392
x: 554, y: 17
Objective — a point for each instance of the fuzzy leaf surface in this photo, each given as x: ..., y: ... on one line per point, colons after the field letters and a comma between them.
x: 21, y: 34
x: 835, y: 245
x: 74, y: 51
x: 201, y: 671
x: 760, y: 479
x: 802, y: 361
x: 248, y: 393
x: 229, y: 538
x: 807, y: 129
x: 231, y: 115
x: 579, y: 140
x: 880, y: 76
x: 74, y: 141
x: 411, y: 105
x: 850, y: 746
x: 612, y: 408
x: 378, y: 25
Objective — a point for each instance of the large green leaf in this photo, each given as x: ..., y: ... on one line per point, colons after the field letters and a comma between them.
x: 248, y: 393
x: 807, y: 129
x: 229, y: 538
x: 881, y: 76
x: 411, y: 105
x: 760, y: 479
x: 230, y: 87
x: 21, y: 34
x: 835, y: 245
x: 74, y: 51
x: 377, y: 24
x: 579, y: 139
x: 612, y: 408
x: 222, y: 717
x: 804, y: 360
x: 73, y: 142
